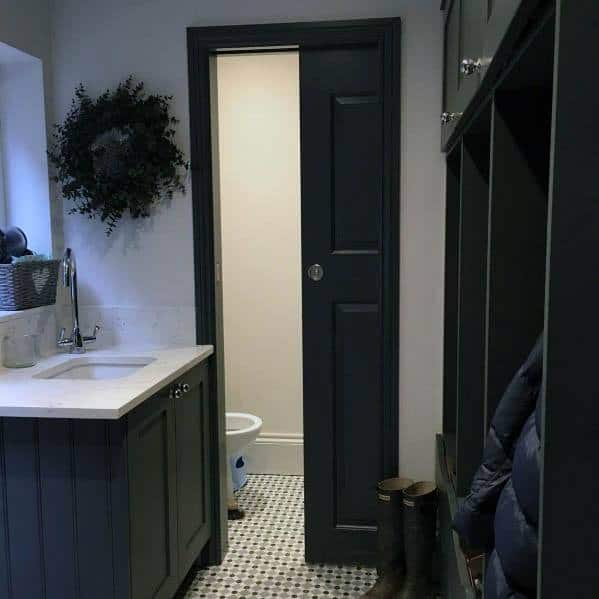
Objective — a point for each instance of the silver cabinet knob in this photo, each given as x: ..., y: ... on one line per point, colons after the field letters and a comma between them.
x: 450, y: 117
x: 470, y: 66
x: 177, y: 394
x: 186, y: 388
x: 316, y: 272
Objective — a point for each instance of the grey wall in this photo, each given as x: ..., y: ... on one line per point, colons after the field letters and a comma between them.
x: 24, y: 24
x: 144, y: 273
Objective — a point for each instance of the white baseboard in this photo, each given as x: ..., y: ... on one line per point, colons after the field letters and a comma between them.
x: 276, y: 454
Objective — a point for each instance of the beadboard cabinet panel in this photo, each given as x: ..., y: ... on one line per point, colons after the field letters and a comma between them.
x: 106, y: 509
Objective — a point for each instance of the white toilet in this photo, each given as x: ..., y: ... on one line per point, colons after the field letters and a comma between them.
x: 242, y: 431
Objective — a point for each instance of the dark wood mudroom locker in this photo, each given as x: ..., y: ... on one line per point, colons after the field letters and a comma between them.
x: 520, y: 132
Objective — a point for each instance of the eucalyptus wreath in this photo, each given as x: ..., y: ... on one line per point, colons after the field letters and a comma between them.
x: 116, y: 154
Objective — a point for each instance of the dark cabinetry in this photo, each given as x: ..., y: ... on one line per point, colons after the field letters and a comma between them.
x: 463, y: 46
x: 106, y: 509
x: 169, y: 499
x: 474, y: 32
x: 452, y: 57
x: 470, y: 43
x: 569, y: 542
x: 192, y: 450
x: 471, y: 299
x: 497, y: 197
x: 153, y: 499
x: 464, y: 41
x: 521, y: 245
x: 498, y: 16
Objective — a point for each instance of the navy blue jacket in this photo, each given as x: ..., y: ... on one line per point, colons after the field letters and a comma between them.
x: 500, y: 515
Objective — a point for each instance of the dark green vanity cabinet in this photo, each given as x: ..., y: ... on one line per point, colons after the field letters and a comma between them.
x: 107, y: 509
x: 169, y: 499
x: 193, y: 463
x: 153, y: 499
x: 168, y: 465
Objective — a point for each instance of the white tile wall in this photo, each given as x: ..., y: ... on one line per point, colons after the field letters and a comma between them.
x: 120, y: 325
x: 39, y: 321
x: 164, y: 325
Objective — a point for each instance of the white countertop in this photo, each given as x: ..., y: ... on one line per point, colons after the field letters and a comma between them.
x: 22, y: 395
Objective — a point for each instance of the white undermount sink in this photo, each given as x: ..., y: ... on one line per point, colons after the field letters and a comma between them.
x: 95, y: 369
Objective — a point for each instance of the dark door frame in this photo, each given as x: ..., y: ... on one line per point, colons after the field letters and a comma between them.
x: 203, y: 44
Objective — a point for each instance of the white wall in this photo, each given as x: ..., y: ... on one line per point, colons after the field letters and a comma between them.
x: 259, y: 161
x: 148, y: 266
x: 39, y: 321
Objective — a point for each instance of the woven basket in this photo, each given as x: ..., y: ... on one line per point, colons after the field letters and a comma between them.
x: 26, y: 285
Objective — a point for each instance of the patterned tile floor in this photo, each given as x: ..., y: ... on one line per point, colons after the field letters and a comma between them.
x: 266, y: 551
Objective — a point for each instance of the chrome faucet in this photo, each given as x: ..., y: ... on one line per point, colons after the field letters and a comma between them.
x: 76, y: 342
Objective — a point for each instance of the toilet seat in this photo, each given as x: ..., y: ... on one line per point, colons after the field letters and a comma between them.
x: 241, y: 431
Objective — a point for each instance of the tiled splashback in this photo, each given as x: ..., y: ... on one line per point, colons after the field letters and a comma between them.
x: 166, y: 325
x: 120, y: 326
x: 40, y: 321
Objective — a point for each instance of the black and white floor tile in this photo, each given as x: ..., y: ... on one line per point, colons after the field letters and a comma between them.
x: 266, y: 551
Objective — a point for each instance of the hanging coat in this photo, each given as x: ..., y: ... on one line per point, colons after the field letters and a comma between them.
x: 500, y: 515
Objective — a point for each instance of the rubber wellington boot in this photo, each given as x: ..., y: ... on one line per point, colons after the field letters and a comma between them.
x: 420, y: 528
x: 390, y: 559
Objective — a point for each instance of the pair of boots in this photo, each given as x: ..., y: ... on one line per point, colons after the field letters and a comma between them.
x: 407, y: 527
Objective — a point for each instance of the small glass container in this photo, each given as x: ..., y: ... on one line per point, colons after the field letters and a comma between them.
x: 20, y: 352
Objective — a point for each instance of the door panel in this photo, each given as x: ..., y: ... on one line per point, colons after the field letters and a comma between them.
x: 152, y: 491
x: 342, y: 211
x: 357, y: 190
x: 191, y: 411
x: 356, y: 378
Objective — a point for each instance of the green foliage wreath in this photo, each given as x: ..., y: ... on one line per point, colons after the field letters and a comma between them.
x: 116, y: 154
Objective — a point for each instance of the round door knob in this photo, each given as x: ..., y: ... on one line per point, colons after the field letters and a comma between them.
x: 186, y: 388
x: 177, y: 393
x: 450, y: 117
x: 316, y: 272
x: 470, y: 66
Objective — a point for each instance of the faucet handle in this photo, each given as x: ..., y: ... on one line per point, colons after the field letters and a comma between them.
x: 64, y: 342
x: 94, y: 335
